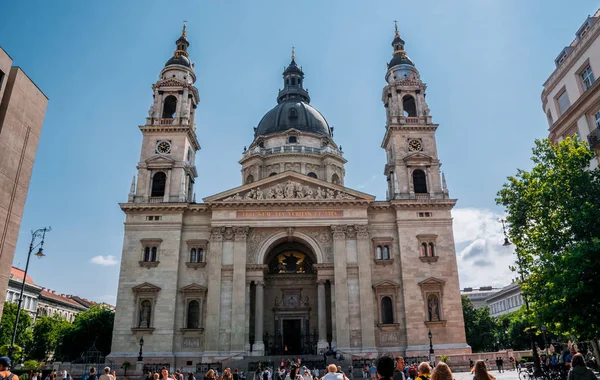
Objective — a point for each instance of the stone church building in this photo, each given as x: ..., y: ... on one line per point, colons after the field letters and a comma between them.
x: 292, y: 261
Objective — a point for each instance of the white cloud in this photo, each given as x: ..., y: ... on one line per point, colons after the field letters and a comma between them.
x: 106, y: 261
x: 482, y: 260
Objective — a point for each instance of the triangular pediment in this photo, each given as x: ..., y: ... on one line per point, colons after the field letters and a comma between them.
x: 289, y: 186
x: 158, y: 158
x: 146, y: 287
x: 432, y: 281
x: 386, y: 284
x: 193, y: 288
x: 418, y: 157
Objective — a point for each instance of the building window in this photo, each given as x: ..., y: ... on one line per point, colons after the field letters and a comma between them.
x: 150, y: 252
x: 563, y: 102
x: 335, y: 179
x: 169, y: 107
x: 272, y: 174
x: 197, y: 255
x: 550, y: 120
x: 292, y: 140
x: 154, y: 217
x: 249, y: 179
x: 159, y: 182
x: 312, y: 175
x: 597, y: 119
x: 379, y: 253
x: 193, y: 315
x: 419, y: 181
x: 387, y: 311
x: 383, y: 250
x: 293, y: 113
x: 145, y: 314
x: 587, y: 77
x: 409, y: 106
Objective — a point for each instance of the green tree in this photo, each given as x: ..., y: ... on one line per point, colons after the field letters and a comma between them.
x: 126, y: 365
x: 554, y: 211
x: 91, y: 326
x: 480, y: 327
x: 13, y: 352
x: 46, y: 333
x: 7, y: 325
x: 33, y: 365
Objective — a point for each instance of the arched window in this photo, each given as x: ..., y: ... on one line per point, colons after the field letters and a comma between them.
x: 379, y: 253
x: 387, y: 311
x: 193, y: 256
x: 159, y: 181
x: 431, y: 250
x: 419, y: 181
x: 335, y: 179
x: 147, y: 254
x: 145, y: 313
x: 249, y: 179
x: 272, y: 174
x: 423, y: 249
x: 312, y: 174
x: 193, y: 315
x: 293, y: 113
x: 169, y: 107
x: 200, y: 255
x: 386, y: 252
x: 153, y: 256
x: 293, y: 81
x: 409, y: 106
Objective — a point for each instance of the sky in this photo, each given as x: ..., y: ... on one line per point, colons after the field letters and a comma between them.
x: 484, y: 62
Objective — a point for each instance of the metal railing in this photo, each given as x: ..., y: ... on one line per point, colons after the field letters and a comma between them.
x: 594, y: 138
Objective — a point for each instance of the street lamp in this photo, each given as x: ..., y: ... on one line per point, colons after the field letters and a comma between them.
x: 140, y: 358
x: 40, y: 233
x: 537, y: 369
x: 431, y: 352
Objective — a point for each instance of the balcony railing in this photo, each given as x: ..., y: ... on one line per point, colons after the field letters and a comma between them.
x: 156, y: 199
x: 411, y: 120
x: 166, y: 121
x: 292, y: 149
x: 594, y: 138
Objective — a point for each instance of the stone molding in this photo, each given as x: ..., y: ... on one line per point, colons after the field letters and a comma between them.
x: 383, y: 262
x: 241, y: 233
x: 146, y: 288
x: 435, y: 323
x: 257, y: 267
x: 197, y: 243
x: 339, y: 232
x: 149, y: 264
x: 291, y: 190
x: 193, y: 288
x: 362, y: 231
x: 195, y: 266
x: 350, y: 232
x: 216, y: 233
x: 429, y: 259
x: 143, y: 330
x: 149, y: 241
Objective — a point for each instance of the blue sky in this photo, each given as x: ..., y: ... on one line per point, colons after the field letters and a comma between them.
x: 484, y: 62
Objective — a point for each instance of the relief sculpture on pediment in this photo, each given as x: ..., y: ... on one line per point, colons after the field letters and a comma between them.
x: 289, y: 190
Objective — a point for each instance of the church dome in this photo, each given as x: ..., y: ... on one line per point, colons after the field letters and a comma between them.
x: 179, y: 60
x: 400, y: 59
x: 293, y: 114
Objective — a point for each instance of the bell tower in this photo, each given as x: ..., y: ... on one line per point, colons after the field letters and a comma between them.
x: 166, y: 171
x: 413, y: 167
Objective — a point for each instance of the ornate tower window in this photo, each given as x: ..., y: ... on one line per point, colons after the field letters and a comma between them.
x: 197, y: 253
x: 312, y: 175
x: 159, y: 183
x: 169, y: 107
x: 383, y: 250
x: 409, y: 106
x: 427, y: 248
x: 387, y: 310
x: 194, y: 300
x: 419, y: 181
x: 193, y: 314
x: 385, y: 293
x: 335, y: 179
x: 150, y: 251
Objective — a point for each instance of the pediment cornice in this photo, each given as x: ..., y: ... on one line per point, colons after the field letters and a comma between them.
x: 289, y: 188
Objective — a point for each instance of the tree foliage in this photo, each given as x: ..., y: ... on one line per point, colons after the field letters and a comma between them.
x: 554, y: 217
x: 7, y: 325
x: 480, y: 327
x: 91, y: 326
x: 46, y: 333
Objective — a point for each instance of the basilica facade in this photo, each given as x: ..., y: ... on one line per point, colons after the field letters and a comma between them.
x: 292, y: 261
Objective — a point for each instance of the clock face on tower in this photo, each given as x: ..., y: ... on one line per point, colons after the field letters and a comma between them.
x: 163, y: 147
x: 415, y: 145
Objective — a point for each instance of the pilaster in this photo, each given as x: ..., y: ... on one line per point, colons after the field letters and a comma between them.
x: 239, y: 289
x: 367, y: 309
x: 213, y: 297
x: 341, y: 289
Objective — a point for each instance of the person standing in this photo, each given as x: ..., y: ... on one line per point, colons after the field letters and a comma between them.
x: 399, y: 370
x: 5, y: 372
x: 442, y: 372
x: 373, y: 371
x: 424, y: 371
x: 107, y: 375
x: 385, y: 368
x: 579, y: 371
x: 480, y: 371
x: 332, y: 373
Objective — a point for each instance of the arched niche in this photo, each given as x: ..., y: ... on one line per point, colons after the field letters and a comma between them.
x: 267, y: 246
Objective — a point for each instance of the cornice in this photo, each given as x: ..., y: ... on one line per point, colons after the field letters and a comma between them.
x: 143, y: 207
x: 288, y: 202
x: 294, y: 154
x: 423, y: 203
x: 171, y: 129
x: 380, y: 205
x: 406, y: 127
x: 574, y: 112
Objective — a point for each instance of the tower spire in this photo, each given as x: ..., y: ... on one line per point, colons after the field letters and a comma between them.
x: 293, y: 53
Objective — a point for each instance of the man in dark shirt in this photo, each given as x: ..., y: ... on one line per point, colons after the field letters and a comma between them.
x: 399, y: 370
x: 385, y: 368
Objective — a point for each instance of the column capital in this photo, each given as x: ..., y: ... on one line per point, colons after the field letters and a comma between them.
x: 216, y: 233
x: 363, y: 231
x: 241, y: 233
x: 338, y: 232
x: 350, y: 232
x: 321, y: 282
x: 259, y: 283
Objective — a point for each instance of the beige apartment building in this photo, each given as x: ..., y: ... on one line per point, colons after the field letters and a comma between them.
x: 571, y: 95
x: 22, y: 110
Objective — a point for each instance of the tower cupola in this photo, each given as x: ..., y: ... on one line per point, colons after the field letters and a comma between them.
x: 180, y: 55
x: 293, y: 78
x: 400, y: 66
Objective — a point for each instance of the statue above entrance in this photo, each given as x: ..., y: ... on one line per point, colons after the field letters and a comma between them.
x: 289, y: 262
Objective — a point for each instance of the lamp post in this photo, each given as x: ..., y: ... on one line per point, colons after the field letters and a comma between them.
x: 537, y: 369
x: 40, y: 233
x: 140, y: 358
x: 431, y: 352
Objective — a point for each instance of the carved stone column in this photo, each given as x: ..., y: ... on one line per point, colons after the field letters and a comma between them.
x: 166, y: 197
x: 341, y: 289
x: 259, y: 345
x: 333, y: 330
x: 238, y: 298
x: 367, y: 310
x: 213, y: 296
x: 322, y: 310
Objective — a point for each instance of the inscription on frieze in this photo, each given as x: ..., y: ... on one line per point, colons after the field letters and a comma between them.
x: 289, y: 214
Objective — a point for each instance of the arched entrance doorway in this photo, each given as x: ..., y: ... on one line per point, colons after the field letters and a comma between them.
x: 290, y: 294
